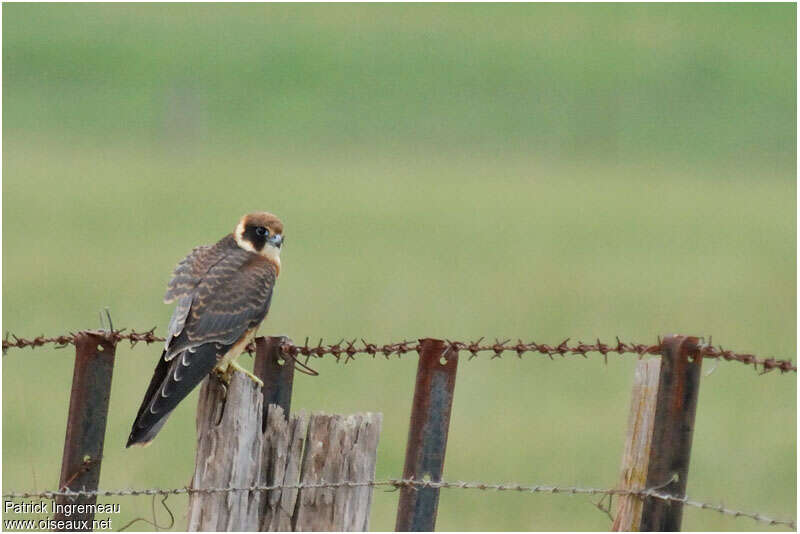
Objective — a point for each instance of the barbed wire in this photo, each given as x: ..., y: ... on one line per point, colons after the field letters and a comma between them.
x: 416, y: 484
x: 115, y: 336
x: 347, y: 350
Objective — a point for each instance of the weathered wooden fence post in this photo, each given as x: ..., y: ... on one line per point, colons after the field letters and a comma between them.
x: 338, y: 448
x: 282, y: 458
x: 234, y: 452
x: 659, y: 443
x: 427, y: 434
x: 314, y: 450
x: 229, y: 441
x: 86, y: 425
x: 633, y: 473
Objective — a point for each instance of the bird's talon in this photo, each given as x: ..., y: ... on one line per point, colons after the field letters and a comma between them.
x: 224, y: 377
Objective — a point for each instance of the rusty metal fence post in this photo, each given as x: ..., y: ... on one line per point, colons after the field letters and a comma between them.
x: 86, y: 425
x: 427, y: 434
x: 276, y: 372
x: 660, y: 430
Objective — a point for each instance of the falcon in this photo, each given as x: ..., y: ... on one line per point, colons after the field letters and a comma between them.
x: 223, y: 293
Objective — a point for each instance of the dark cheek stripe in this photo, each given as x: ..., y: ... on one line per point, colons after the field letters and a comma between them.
x: 258, y: 241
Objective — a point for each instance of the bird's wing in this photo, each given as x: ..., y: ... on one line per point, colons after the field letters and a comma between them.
x: 234, y: 296
x: 230, y: 299
x: 178, y: 319
x: 190, y: 270
x: 188, y: 274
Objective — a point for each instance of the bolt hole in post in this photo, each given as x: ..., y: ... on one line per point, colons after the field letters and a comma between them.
x: 444, y: 358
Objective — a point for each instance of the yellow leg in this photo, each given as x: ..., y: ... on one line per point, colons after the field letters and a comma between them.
x: 235, y: 365
x: 227, y: 364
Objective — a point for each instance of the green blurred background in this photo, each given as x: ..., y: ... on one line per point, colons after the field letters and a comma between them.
x: 454, y: 171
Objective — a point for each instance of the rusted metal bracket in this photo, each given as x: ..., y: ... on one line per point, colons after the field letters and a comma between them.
x: 427, y: 434
x: 276, y: 372
x: 86, y: 423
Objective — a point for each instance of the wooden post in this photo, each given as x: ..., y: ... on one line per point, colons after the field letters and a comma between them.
x: 633, y: 474
x: 338, y: 448
x: 316, y: 449
x: 86, y: 427
x: 233, y: 452
x: 427, y: 434
x: 658, y: 448
x: 282, y: 458
x: 229, y: 441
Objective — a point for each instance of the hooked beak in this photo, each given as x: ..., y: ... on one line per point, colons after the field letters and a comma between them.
x: 276, y: 240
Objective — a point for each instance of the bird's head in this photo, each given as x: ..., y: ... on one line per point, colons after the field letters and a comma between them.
x: 262, y: 233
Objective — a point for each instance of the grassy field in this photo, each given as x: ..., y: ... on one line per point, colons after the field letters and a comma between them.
x: 512, y: 171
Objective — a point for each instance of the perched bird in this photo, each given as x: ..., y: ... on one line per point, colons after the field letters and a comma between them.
x: 223, y: 293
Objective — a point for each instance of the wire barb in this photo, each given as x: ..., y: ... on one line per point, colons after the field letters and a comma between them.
x: 416, y: 484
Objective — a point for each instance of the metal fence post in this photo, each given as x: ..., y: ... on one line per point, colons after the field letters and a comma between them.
x: 86, y: 425
x: 277, y: 373
x: 427, y: 434
x: 660, y: 432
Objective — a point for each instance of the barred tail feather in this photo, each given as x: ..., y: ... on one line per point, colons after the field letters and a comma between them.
x: 172, y: 381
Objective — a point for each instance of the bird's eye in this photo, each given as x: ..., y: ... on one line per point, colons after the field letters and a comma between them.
x: 261, y: 231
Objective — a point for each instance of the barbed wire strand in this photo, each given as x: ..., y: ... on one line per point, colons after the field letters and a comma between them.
x: 416, y: 484
x: 347, y: 350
